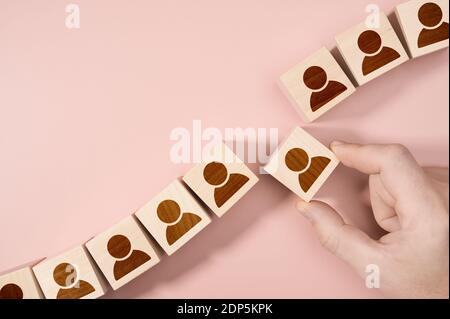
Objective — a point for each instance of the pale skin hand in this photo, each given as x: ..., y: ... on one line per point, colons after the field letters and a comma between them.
x: 411, y: 204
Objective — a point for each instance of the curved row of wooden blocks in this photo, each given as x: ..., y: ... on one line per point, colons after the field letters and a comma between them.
x: 301, y: 163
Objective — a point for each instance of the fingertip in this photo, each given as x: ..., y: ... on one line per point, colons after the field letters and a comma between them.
x: 302, y: 206
x: 345, y: 152
x: 336, y: 144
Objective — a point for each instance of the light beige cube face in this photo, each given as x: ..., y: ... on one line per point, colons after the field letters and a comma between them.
x: 316, y: 85
x: 221, y: 180
x: 173, y: 217
x: 19, y: 284
x: 424, y: 25
x: 123, y: 252
x: 302, y: 164
x: 71, y: 275
x: 371, y: 51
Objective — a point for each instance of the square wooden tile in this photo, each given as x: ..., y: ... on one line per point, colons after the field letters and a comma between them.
x: 424, y: 25
x: 71, y: 275
x: 173, y: 217
x: 302, y: 164
x: 371, y: 52
x: 316, y: 85
x: 19, y: 284
x: 221, y: 180
x: 123, y: 252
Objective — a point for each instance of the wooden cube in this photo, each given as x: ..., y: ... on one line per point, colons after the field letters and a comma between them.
x: 316, y: 85
x: 71, y: 275
x: 424, y: 25
x: 19, y: 283
x: 173, y: 217
x: 123, y: 252
x: 371, y: 52
x: 221, y: 180
x: 302, y: 164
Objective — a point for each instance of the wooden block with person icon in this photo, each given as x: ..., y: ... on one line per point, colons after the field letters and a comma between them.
x: 19, y: 283
x: 424, y: 25
x: 71, y: 275
x: 221, y: 180
x: 123, y: 252
x: 302, y: 164
x: 173, y: 217
x: 370, y: 51
x: 316, y: 85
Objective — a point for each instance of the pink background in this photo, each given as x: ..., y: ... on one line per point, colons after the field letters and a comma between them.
x: 85, y: 117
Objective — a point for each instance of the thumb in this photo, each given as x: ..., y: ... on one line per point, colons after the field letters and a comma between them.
x: 345, y: 241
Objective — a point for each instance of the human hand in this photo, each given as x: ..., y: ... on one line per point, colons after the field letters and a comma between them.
x: 411, y: 204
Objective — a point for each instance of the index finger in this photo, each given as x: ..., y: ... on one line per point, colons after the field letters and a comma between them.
x: 400, y: 173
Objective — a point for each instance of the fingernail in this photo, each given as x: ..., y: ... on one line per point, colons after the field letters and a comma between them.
x: 302, y: 207
x: 336, y: 143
